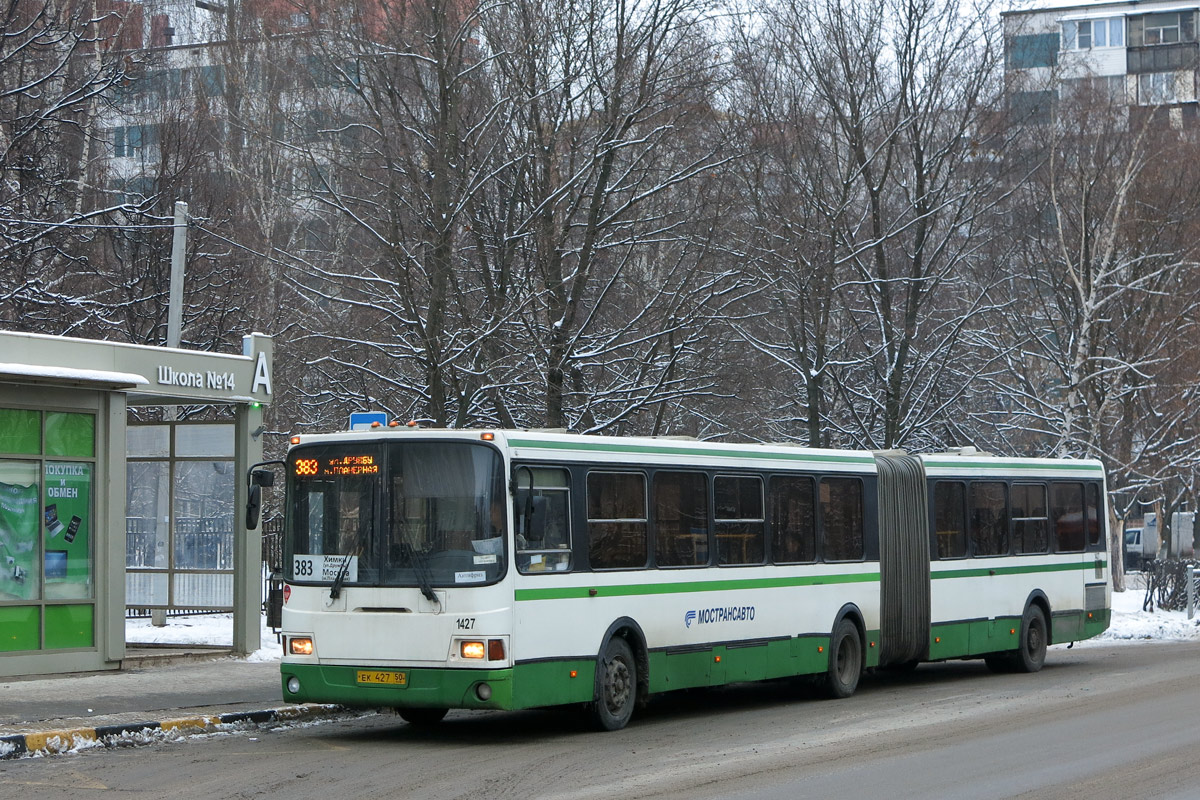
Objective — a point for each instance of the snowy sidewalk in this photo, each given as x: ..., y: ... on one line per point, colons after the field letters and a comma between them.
x: 159, y: 699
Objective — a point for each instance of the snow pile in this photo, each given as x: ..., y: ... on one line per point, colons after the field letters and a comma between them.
x: 1130, y: 623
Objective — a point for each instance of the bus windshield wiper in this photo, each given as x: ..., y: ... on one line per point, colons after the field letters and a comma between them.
x: 336, y: 589
x: 420, y: 567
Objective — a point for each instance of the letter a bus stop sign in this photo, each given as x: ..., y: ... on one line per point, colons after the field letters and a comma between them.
x: 361, y: 420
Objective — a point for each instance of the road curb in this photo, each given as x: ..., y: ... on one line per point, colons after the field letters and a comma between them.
x: 60, y: 741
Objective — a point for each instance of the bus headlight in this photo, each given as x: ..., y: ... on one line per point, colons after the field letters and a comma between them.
x: 471, y: 649
x: 300, y: 646
x: 483, y: 691
x: 293, y: 685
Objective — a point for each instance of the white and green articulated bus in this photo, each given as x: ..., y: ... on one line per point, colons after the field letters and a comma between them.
x: 435, y: 569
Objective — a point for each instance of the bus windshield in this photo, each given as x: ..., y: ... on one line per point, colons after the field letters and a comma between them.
x: 395, y: 514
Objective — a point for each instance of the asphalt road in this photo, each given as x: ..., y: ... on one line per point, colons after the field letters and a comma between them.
x: 1097, y: 722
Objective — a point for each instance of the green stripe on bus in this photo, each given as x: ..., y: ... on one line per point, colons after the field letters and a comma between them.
x: 607, y: 447
x: 572, y: 592
x: 993, y: 465
x: 983, y: 572
x: 568, y: 593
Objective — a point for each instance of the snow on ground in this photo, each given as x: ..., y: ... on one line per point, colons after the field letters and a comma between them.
x: 206, y: 629
x: 1129, y: 624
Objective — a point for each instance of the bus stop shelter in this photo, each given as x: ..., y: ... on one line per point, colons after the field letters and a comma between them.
x: 71, y: 467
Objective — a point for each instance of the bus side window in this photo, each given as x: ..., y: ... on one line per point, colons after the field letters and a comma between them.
x: 617, y: 525
x: 1096, y: 521
x: 543, y: 520
x: 1066, y: 509
x: 1029, y: 517
x: 950, y: 518
x: 738, y: 515
x: 841, y: 519
x: 989, y: 518
x: 680, y: 519
x: 793, y: 520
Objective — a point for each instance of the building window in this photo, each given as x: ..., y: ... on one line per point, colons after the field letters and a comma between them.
x: 132, y: 141
x: 1161, y: 28
x: 1027, y: 52
x: 1156, y: 88
x: 1093, y: 90
x: 1088, y: 33
x: 1032, y: 108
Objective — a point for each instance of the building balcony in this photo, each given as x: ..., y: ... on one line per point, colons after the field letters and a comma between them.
x: 1163, y: 57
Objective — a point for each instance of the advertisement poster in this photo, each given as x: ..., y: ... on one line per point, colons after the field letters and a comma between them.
x: 67, y: 525
x: 19, y: 513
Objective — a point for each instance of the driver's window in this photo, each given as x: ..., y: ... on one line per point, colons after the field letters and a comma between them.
x: 543, y: 521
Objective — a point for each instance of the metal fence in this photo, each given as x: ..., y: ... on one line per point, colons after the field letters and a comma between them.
x: 1171, y: 584
x: 203, y: 544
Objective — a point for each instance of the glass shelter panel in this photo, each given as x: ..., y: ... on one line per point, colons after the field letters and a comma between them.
x: 46, y: 549
x: 147, y: 514
x: 204, y: 440
x: 203, y: 511
x: 20, y: 526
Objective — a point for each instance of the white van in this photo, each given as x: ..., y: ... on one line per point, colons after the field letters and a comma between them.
x: 1133, y: 548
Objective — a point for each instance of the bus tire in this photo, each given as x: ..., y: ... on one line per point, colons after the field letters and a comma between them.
x: 422, y: 717
x: 845, y: 661
x: 616, y: 686
x: 1031, y: 654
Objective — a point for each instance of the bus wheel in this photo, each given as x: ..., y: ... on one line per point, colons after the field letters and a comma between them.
x: 845, y: 661
x: 616, y: 689
x: 1031, y: 655
x: 422, y: 717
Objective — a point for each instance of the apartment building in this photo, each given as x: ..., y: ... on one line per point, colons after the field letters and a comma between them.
x: 1137, y: 54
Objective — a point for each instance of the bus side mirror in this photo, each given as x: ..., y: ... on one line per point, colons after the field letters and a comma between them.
x: 531, y: 517
x: 258, y: 479
x: 537, y: 520
x: 253, y: 506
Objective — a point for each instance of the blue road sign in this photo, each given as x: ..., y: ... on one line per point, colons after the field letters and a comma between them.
x: 361, y: 420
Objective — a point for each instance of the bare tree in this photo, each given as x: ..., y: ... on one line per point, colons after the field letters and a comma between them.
x: 1103, y: 353
x: 55, y: 70
x: 871, y: 209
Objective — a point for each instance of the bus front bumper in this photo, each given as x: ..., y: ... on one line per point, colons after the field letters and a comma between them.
x: 421, y: 687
